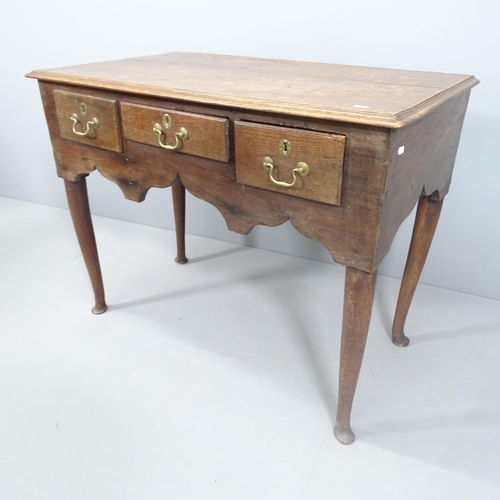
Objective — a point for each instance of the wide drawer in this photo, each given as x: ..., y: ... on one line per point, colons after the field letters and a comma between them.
x: 296, y: 162
x: 88, y: 119
x: 198, y: 135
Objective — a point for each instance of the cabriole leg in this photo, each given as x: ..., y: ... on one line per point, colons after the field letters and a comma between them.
x: 358, y: 302
x: 179, y: 197
x: 80, y: 213
x: 426, y: 221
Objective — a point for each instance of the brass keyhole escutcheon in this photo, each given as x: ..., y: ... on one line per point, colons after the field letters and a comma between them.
x: 166, y: 120
x: 83, y: 108
x: 285, y: 147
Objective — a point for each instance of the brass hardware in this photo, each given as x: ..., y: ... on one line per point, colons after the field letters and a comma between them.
x: 83, y: 108
x: 180, y: 136
x: 166, y: 120
x: 301, y: 169
x: 285, y: 147
x: 92, y: 123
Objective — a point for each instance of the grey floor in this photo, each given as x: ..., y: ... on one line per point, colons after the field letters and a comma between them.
x: 218, y: 379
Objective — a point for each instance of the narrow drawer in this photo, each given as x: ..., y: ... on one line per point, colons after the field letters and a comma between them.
x: 292, y: 161
x: 188, y: 133
x: 87, y: 119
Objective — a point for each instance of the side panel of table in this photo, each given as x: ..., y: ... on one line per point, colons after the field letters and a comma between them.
x: 421, y: 160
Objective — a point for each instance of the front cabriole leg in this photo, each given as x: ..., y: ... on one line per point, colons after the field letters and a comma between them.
x: 179, y: 198
x: 80, y: 213
x: 358, y: 302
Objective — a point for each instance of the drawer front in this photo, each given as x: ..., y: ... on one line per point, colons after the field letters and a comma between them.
x: 188, y: 133
x: 87, y: 119
x: 295, y: 162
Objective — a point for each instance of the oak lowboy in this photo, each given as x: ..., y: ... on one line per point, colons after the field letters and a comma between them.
x: 342, y: 152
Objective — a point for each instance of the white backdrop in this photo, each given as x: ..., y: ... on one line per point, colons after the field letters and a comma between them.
x: 456, y: 36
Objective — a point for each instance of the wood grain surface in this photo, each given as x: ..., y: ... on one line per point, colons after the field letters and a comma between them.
x: 373, y: 96
x: 208, y: 135
x: 323, y: 153
x: 424, y: 167
x: 106, y: 136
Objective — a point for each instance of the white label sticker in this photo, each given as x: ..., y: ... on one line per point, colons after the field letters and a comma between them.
x: 362, y: 106
x: 401, y: 150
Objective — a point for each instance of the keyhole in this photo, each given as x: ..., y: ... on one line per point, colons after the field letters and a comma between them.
x: 285, y: 147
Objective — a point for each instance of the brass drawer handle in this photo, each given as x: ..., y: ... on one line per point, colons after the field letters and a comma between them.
x: 302, y: 169
x: 180, y: 136
x: 94, y: 123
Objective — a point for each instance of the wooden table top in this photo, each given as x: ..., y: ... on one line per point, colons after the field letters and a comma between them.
x: 373, y: 96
